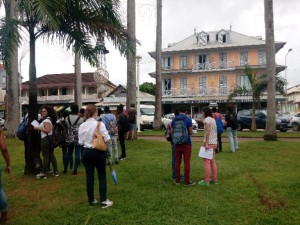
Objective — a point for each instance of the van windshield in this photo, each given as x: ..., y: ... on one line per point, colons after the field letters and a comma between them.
x: 147, y: 111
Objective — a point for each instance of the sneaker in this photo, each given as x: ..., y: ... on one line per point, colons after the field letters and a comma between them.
x: 41, y: 176
x: 64, y: 172
x: 191, y: 183
x: 176, y: 183
x: 124, y: 158
x: 75, y: 173
x: 93, y: 203
x: 213, y: 182
x: 203, y: 183
x: 117, y: 161
x: 55, y: 174
x: 106, y: 204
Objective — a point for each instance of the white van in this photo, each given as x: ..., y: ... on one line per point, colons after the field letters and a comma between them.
x: 147, y: 116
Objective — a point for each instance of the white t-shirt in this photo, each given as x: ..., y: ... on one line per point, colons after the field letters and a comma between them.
x: 213, y: 139
x: 42, y: 125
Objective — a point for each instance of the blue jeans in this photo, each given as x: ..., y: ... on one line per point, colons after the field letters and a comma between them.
x: 112, y: 148
x: 232, y: 136
x: 3, y: 199
x: 69, y: 159
x: 95, y: 159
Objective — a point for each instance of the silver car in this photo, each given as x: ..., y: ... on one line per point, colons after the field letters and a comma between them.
x: 2, y: 122
x: 295, y: 122
x: 167, y: 119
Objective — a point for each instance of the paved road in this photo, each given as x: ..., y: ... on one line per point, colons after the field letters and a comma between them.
x: 224, y: 139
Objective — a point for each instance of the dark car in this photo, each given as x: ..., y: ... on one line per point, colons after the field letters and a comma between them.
x: 244, y: 118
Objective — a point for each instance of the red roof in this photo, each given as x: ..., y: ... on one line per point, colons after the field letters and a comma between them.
x: 64, y: 80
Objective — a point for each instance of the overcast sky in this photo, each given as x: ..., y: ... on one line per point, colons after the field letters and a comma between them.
x: 180, y: 17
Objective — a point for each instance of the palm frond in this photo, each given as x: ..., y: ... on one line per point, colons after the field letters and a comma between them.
x: 10, y: 39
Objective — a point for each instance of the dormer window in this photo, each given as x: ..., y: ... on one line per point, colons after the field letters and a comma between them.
x: 222, y: 37
x: 202, y: 38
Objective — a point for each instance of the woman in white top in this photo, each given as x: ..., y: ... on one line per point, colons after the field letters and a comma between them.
x: 46, y: 125
x: 93, y: 158
x: 210, y: 142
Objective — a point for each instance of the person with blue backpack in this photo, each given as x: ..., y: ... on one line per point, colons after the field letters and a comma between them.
x: 218, y: 118
x: 181, y: 130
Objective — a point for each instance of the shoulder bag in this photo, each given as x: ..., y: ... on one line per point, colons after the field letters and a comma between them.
x: 98, y: 140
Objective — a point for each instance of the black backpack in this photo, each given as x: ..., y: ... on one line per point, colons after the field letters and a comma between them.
x: 56, y: 136
x: 233, y: 123
x: 179, y: 131
x: 72, y: 132
x: 126, y: 125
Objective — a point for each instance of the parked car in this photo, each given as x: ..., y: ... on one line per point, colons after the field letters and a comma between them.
x: 167, y: 119
x: 2, y: 122
x: 199, y: 119
x: 244, y: 118
x: 147, y: 116
x: 295, y: 121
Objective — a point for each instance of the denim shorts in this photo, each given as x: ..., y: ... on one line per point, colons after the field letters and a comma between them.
x: 133, y: 126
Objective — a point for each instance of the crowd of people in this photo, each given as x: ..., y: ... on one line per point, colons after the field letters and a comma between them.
x: 212, y: 141
x: 78, y: 128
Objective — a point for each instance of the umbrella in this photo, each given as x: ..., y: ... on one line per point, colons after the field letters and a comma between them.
x: 113, y: 174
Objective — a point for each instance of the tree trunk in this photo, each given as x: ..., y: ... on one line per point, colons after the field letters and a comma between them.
x: 33, y: 160
x: 131, y: 60
x: 78, y: 82
x: 271, y: 72
x: 158, y: 91
x: 12, y: 80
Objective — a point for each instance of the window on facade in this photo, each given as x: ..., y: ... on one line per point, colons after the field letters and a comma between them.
x: 243, y: 58
x: 202, y: 59
x: 166, y: 63
x: 183, y: 86
x: 183, y: 62
x: 42, y: 92
x: 91, y: 90
x: 203, y: 39
x: 53, y: 91
x: 261, y: 57
x: 243, y: 81
x: 223, y: 87
x: 64, y: 91
x: 202, y: 85
x: 223, y: 60
x: 167, y: 86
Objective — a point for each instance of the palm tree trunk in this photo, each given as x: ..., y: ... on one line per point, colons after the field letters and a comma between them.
x: 158, y: 90
x: 78, y: 83
x: 12, y: 81
x: 271, y: 72
x: 131, y: 60
x: 33, y: 160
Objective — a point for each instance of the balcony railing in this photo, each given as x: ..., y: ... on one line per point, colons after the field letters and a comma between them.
x: 61, y: 98
x: 207, y: 66
x: 177, y: 92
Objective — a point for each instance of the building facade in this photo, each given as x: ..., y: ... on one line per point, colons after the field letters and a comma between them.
x: 293, y: 101
x: 205, y: 67
x: 58, y: 90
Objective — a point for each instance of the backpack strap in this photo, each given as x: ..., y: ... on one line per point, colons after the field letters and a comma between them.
x: 76, y: 121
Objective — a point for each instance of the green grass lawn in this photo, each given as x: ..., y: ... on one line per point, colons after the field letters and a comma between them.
x: 244, y: 133
x: 259, y: 184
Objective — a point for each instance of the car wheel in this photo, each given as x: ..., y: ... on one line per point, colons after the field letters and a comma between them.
x: 240, y: 127
x: 295, y: 126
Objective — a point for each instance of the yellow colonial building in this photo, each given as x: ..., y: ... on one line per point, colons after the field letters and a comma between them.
x: 202, y: 69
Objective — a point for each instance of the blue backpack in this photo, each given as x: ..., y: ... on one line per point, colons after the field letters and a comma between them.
x: 21, y: 133
x: 179, y: 132
x: 219, y: 123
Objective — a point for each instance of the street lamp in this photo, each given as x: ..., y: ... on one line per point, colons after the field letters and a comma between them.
x: 138, y: 59
x: 286, y: 80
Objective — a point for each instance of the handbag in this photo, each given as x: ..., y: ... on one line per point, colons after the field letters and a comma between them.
x: 98, y: 140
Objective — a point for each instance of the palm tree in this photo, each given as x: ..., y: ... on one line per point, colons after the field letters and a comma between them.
x: 131, y: 60
x: 271, y: 71
x: 75, y: 24
x: 158, y: 91
x: 258, y: 86
x: 11, y: 67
